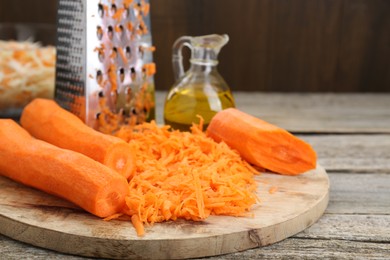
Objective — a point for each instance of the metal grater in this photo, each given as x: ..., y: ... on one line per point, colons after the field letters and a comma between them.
x: 104, y: 70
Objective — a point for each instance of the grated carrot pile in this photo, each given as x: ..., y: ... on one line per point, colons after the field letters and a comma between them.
x: 185, y: 175
x: 26, y: 72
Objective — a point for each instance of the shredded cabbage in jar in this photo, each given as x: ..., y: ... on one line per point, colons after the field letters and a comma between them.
x: 27, y: 71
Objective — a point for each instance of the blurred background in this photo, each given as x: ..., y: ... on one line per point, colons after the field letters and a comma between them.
x: 275, y: 45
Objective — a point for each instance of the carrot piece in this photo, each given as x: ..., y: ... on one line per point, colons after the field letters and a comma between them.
x: 123, y: 56
x: 115, y: 216
x: 130, y: 26
x: 112, y: 76
x: 127, y: 3
x: 272, y: 190
x: 64, y: 173
x: 46, y: 120
x: 261, y: 143
x: 138, y: 225
x: 146, y: 9
x: 150, y: 69
x: 118, y: 15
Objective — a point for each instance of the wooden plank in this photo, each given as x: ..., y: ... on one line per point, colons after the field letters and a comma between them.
x: 363, y: 193
x: 293, y: 248
x: 21, y: 11
x: 313, y: 113
x: 2, y: 8
x: 366, y: 228
x: 297, y: 248
x: 364, y: 46
x: 12, y: 249
x: 300, y: 45
x: 352, y: 153
x: 297, y: 39
x: 320, y: 113
x: 171, y: 19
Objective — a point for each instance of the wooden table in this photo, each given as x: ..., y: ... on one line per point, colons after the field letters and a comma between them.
x: 351, y: 134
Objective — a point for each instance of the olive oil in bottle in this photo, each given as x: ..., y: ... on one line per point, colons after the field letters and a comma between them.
x: 200, y: 91
x: 183, y: 106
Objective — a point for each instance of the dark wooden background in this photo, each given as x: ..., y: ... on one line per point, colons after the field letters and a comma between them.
x: 275, y: 45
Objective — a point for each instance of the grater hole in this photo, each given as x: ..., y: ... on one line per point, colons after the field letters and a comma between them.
x: 122, y: 74
x: 113, y: 9
x: 99, y: 77
x: 143, y: 72
x: 133, y: 74
x: 141, y: 52
x: 129, y: 94
x: 134, y: 111
x: 99, y: 32
x: 128, y: 52
x: 114, y: 53
x: 110, y: 32
x: 101, y: 56
x: 120, y: 30
x: 141, y: 28
x: 101, y: 10
x: 145, y: 110
x: 126, y: 11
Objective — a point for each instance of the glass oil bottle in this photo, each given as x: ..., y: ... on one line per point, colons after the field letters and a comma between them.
x: 201, y: 90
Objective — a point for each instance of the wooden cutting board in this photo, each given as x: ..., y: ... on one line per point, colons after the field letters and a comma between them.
x: 42, y: 220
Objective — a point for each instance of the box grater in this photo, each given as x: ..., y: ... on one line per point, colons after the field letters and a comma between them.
x: 104, y: 69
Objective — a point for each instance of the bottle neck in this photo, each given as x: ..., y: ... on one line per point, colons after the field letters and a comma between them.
x: 204, y: 66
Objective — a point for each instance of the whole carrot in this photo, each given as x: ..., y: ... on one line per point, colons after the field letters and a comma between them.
x: 261, y: 143
x: 64, y: 173
x: 46, y: 120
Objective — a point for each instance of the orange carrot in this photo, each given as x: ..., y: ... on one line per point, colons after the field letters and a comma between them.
x: 262, y: 143
x: 46, y: 120
x: 64, y: 173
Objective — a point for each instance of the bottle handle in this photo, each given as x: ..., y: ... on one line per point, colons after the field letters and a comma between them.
x: 177, y: 57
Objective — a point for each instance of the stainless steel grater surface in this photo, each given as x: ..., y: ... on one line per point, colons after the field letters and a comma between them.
x: 104, y: 70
